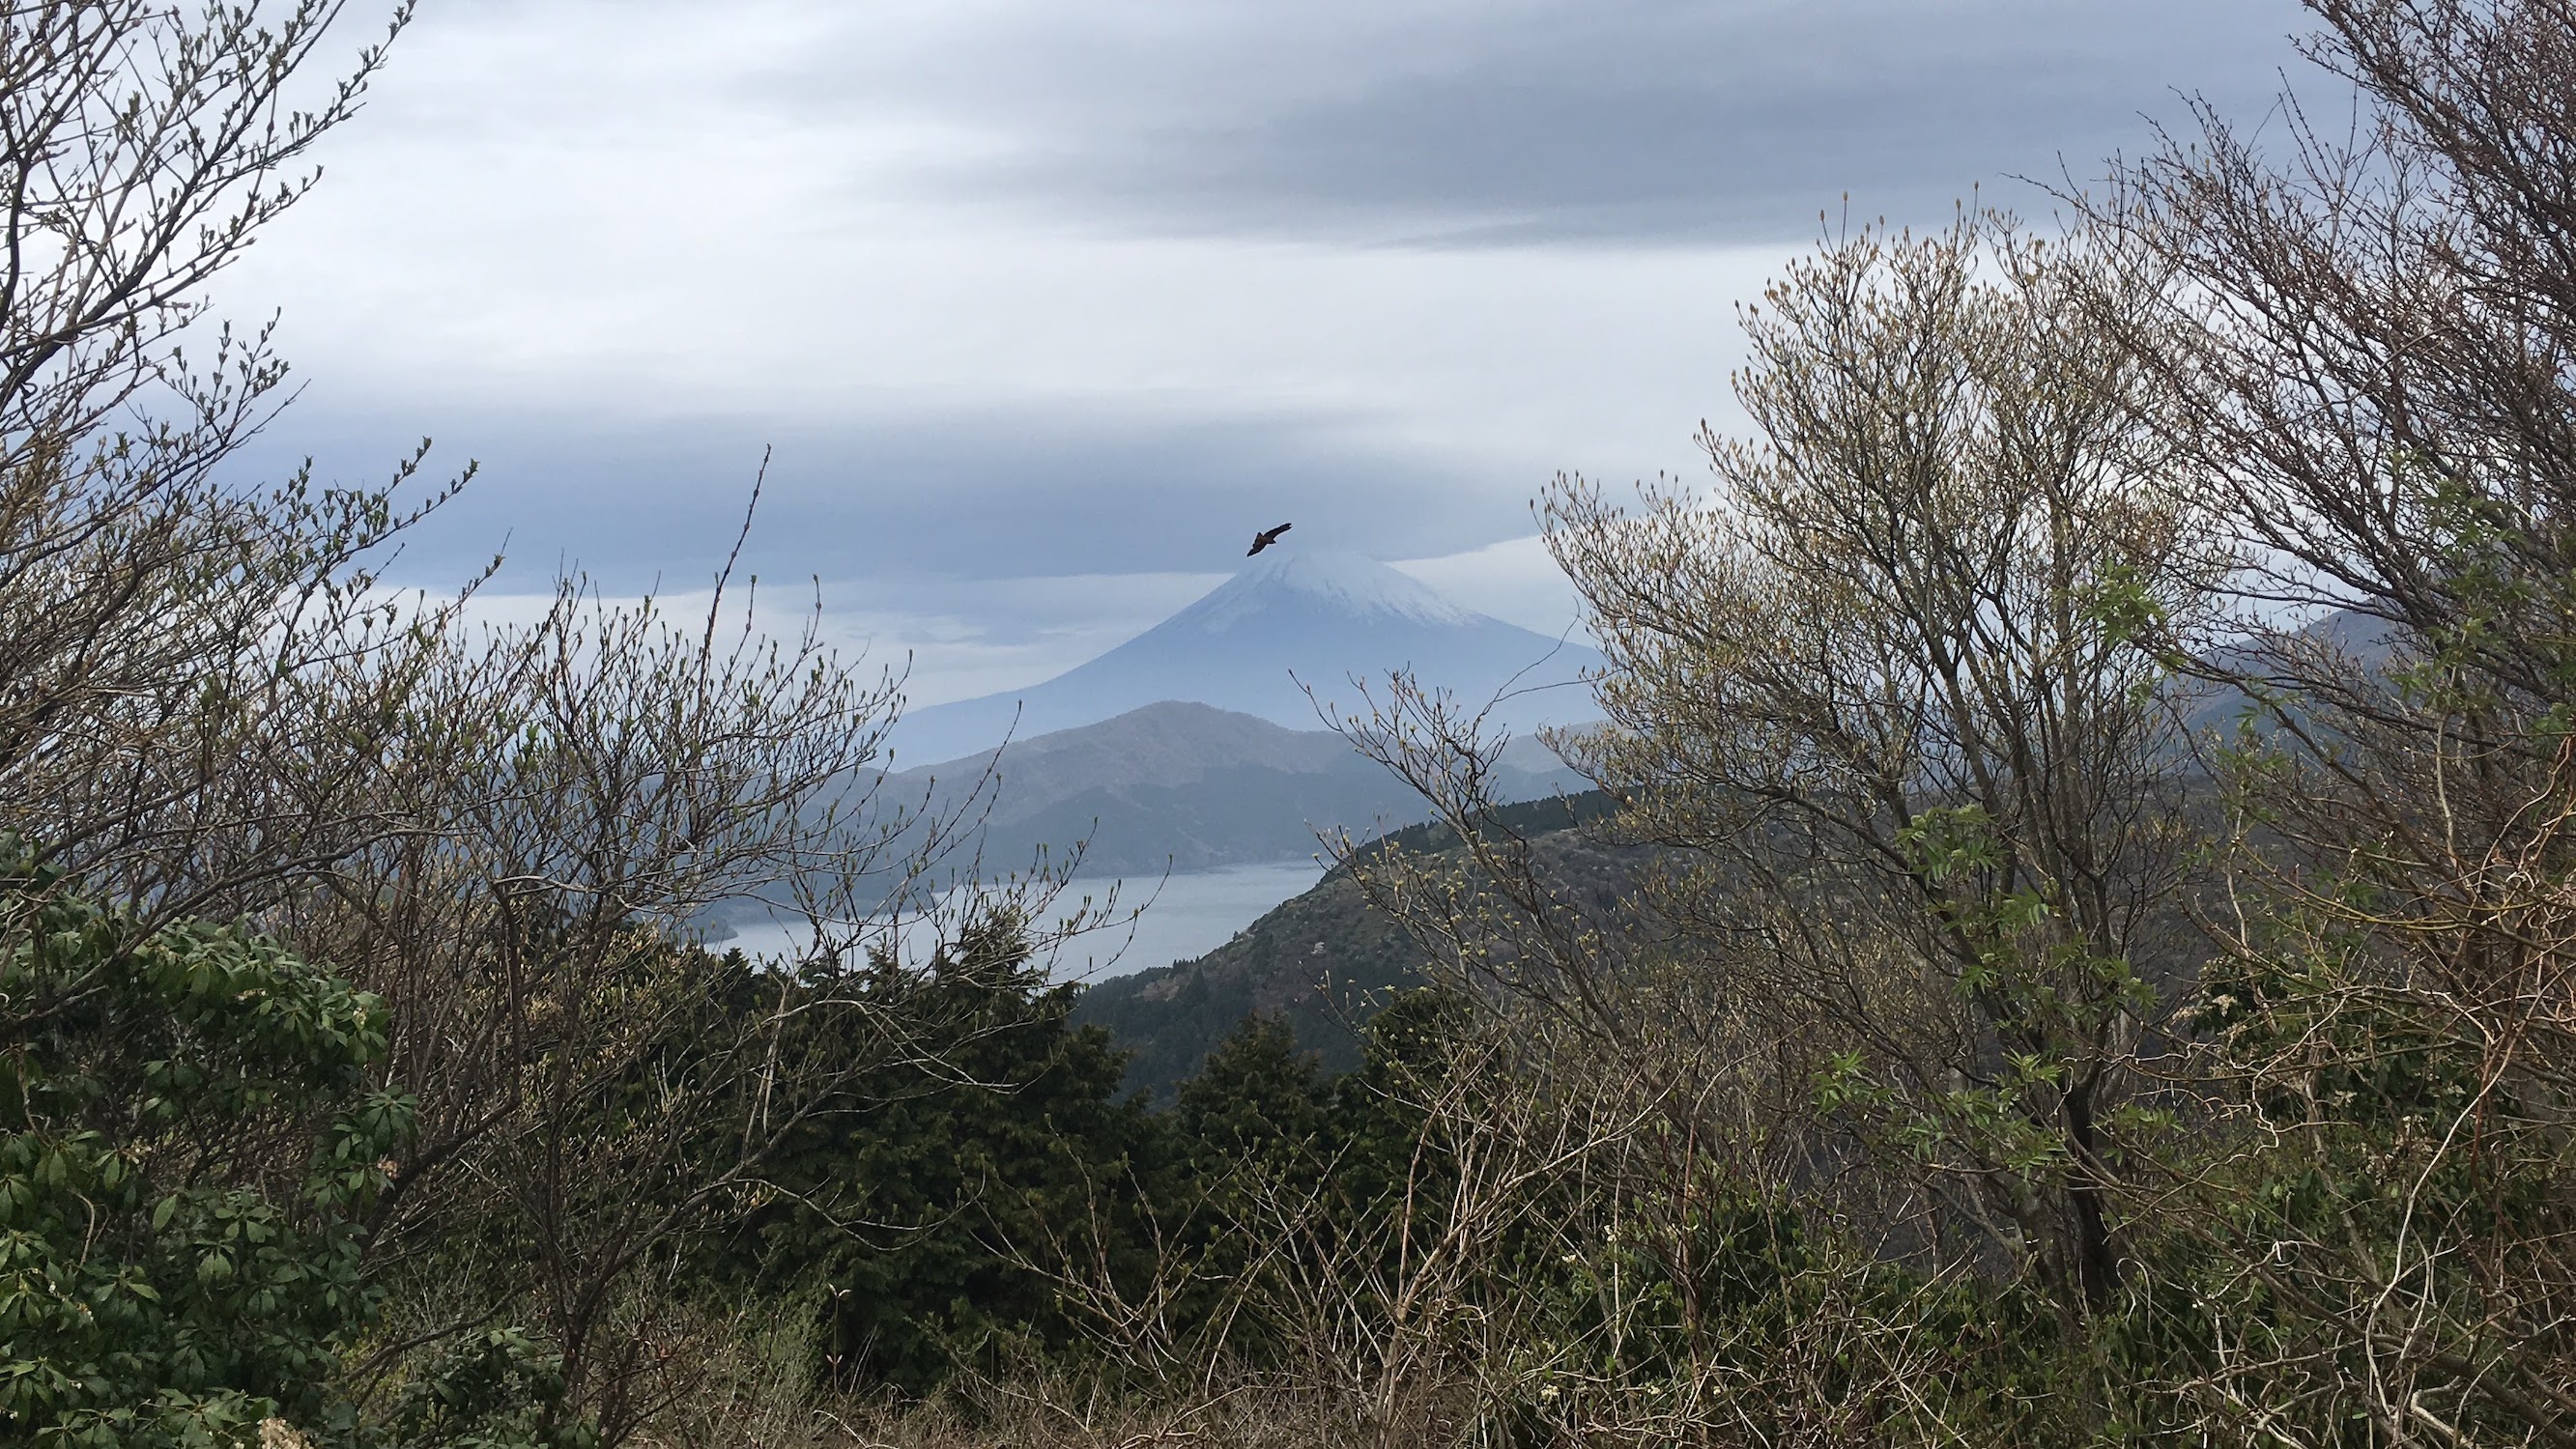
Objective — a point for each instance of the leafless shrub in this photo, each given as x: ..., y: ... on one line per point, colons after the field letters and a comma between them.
x: 215, y: 705
x: 2368, y: 366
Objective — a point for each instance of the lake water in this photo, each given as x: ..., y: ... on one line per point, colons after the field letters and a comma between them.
x: 1185, y: 915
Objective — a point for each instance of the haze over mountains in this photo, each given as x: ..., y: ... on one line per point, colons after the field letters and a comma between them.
x: 1189, y: 787
x: 1196, y: 745
x: 1292, y: 620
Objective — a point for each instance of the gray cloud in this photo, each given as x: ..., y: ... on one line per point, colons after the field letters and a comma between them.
x: 936, y: 498
x: 1652, y: 120
x: 1025, y: 290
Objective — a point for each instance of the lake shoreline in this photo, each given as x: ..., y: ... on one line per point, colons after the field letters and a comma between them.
x: 1177, y: 917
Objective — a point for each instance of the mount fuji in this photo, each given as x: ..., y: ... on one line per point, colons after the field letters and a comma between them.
x: 1293, y: 621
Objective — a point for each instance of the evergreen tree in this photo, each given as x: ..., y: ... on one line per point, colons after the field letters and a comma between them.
x: 1257, y: 1099
x: 931, y: 1216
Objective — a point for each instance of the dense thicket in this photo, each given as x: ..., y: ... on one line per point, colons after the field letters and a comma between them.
x: 504, y: 836
x: 2108, y: 728
x: 2096, y: 766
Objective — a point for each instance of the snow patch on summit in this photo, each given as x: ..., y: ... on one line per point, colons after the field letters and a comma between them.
x: 1290, y: 640
x: 1343, y: 583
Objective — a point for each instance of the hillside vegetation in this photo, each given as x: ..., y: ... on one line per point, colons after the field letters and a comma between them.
x: 2074, y: 944
x: 1323, y: 964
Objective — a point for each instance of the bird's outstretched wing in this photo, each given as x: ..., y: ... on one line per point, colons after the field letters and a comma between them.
x: 1264, y: 539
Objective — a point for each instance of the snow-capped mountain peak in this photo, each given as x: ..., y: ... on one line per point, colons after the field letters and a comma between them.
x: 1339, y: 582
x: 1290, y: 640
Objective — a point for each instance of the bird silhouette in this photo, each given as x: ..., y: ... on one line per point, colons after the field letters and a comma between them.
x: 1263, y: 540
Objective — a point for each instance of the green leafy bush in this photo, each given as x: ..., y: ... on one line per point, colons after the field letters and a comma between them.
x: 496, y: 1390
x: 187, y: 1142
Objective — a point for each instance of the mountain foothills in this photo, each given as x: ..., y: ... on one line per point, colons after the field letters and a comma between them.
x: 1197, y: 744
x: 2013, y: 977
x: 1317, y: 969
x: 1290, y: 639
x: 1183, y: 787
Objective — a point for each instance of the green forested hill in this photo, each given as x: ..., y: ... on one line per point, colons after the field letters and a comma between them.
x: 1323, y: 962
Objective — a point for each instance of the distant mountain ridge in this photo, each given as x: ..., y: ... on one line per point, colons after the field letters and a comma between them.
x: 1188, y: 786
x: 1292, y: 621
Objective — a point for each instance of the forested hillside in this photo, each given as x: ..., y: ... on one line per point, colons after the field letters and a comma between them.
x: 1323, y: 965
x: 2072, y: 941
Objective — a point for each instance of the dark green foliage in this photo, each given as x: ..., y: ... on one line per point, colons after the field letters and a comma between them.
x: 928, y: 1216
x: 1258, y: 1099
x: 933, y: 1220
x: 1259, y: 1141
x: 186, y: 1145
x: 1321, y: 964
x: 496, y: 1390
x: 1324, y: 963
x: 1384, y: 1107
x: 1524, y: 817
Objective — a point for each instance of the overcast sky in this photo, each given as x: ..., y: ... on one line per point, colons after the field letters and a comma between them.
x: 1044, y: 308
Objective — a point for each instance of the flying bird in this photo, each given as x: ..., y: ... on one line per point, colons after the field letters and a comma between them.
x: 1263, y: 540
